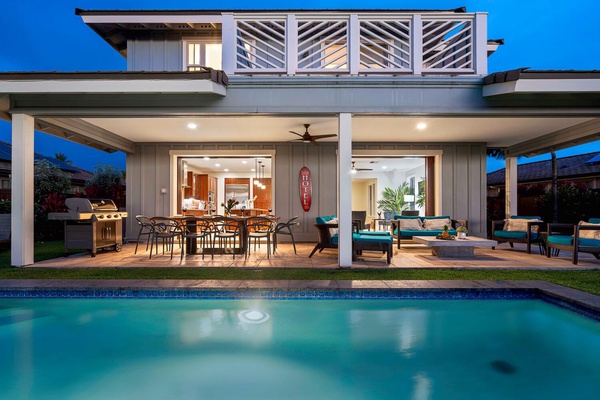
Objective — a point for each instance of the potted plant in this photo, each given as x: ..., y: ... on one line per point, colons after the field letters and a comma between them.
x: 393, y: 199
x: 462, y: 231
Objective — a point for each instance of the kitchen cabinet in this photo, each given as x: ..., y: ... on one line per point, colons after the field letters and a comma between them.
x: 188, y: 188
x: 206, y: 188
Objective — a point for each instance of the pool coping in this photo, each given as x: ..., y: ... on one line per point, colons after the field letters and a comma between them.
x: 557, y: 294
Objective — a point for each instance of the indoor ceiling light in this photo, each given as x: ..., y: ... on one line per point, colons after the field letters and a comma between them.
x: 421, y: 126
x: 226, y: 170
x: 244, y: 162
x: 384, y: 167
x: 217, y: 165
x: 206, y: 158
x: 192, y: 125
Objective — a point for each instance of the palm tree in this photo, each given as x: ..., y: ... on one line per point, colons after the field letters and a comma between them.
x: 393, y: 199
x: 62, y: 157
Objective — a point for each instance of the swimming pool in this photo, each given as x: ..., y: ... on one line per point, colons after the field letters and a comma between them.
x: 295, y: 349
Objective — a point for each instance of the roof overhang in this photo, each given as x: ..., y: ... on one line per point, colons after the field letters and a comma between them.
x: 209, y: 82
x: 521, y: 81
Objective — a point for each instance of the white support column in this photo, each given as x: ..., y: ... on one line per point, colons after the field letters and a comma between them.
x: 354, y: 44
x: 229, y: 54
x: 21, y: 245
x: 291, y: 44
x: 417, y: 44
x: 511, y: 187
x: 345, y: 190
x: 480, y: 44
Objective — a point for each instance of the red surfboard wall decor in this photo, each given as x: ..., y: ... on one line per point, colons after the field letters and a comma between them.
x: 305, y: 189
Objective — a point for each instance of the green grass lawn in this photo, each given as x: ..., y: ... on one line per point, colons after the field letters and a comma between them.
x: 588, y: 281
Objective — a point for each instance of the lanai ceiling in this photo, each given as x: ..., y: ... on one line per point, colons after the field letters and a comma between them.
x: 496, y: 132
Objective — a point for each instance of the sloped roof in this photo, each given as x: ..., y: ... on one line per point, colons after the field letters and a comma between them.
x: 75, y: 172
x: 577, y: 166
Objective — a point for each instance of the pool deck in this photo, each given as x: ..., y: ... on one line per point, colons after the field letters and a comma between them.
x: 574, y: 296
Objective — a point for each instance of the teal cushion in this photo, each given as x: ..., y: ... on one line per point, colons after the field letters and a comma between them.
x: 526, y: 217
x: 406, y: 217
x: 561, y: 240
x: 372, y: 239
x: 589, y: 242
x: 374, y: 233
x: 514, y: 234
x: 436, y: 217
x: 334, y: 239
x: 324, y: 219
x: 435, y: 232
x: 594, y: 221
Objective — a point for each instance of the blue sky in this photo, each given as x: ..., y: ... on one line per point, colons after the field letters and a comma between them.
x: 48, y: 36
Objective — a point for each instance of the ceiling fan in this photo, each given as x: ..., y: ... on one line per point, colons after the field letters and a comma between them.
x: 308, y: 138
x: 355, y: 170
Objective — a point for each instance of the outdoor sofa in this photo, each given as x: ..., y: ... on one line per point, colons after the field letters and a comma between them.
x: 407, y: 226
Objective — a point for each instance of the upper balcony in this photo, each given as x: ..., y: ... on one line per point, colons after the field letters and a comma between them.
x: 299, y: 42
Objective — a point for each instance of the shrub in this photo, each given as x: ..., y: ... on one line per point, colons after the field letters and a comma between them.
x: 575, y: 203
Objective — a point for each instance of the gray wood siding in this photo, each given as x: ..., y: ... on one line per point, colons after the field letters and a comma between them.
x: 155, y: 52
x: 463, y: 182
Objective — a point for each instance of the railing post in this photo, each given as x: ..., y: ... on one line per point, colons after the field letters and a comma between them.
x: 229, y: 44
x: 417, y: 44
x: 353, y: 44
x: 291, y: 44
x: 480, y: 45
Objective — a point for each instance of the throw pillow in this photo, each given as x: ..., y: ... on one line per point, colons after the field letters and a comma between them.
x: 589, y: 234
x: 520, y: 225
x: 412, y: 224
x: 333, y: 231
x: 436, y: 224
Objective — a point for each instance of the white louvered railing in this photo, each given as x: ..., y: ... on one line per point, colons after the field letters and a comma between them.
x: 352, y: 44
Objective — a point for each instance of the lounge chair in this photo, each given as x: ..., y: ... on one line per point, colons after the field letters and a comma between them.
x: 581, y: 238
x: 518, y: 229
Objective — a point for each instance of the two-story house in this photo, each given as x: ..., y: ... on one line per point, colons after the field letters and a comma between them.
x: 225, y: 86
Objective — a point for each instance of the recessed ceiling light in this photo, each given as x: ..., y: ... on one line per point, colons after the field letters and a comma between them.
x: 244, y: 162
x: 217, y: 165
x: 421, y: 125
x: 226, y: 170
x: 253, y: 170
x: 207, y: 158
x: 384, y: 167
x: 192, y: 125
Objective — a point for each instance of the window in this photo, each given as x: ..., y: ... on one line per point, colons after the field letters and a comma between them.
x: 202, y: 53
x: 5, y: 183
x: 372, y: 199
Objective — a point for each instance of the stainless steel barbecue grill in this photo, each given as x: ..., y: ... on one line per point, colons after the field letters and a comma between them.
x: 91, y: 224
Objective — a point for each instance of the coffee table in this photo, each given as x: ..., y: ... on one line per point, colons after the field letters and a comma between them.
x: 454, y: 248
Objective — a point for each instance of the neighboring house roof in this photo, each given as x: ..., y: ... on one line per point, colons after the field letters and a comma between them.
x: 78, y: 175
x: 579, y: 166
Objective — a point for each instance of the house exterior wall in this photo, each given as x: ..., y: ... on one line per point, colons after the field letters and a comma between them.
x: 463, y: 192
x: 156, y: 51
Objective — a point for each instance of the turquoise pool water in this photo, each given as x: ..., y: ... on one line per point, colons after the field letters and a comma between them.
x: 295, y: 349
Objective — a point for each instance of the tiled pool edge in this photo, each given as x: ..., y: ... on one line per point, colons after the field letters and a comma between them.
x: 574, y: 300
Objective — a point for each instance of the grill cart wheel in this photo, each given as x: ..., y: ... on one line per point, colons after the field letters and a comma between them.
x: 118, y: 247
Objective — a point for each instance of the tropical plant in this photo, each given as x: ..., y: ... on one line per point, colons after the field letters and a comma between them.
x: 421, y: 196
x: 49, y: 179
x: 393, y: 199
x: 107, y: 182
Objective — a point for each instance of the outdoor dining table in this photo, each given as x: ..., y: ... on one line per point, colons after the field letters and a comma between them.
x: 191, y: 245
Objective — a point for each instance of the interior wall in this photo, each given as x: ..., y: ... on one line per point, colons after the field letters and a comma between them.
x: 359, y: 195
